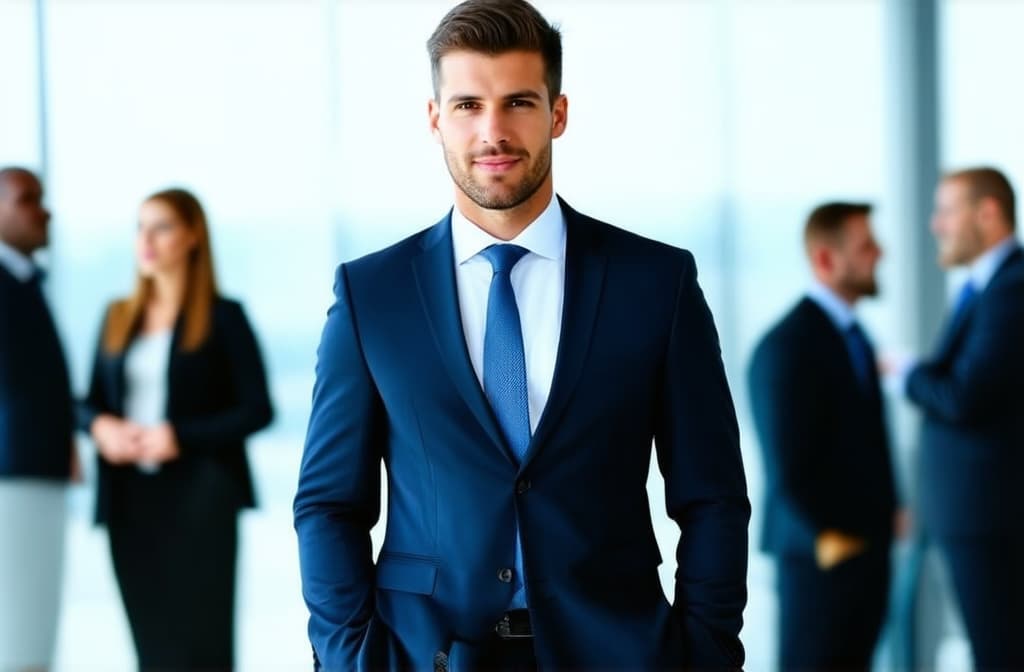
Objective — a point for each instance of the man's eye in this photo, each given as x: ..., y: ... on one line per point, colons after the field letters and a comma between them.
x: 466, y: 106
x: 521, y: 102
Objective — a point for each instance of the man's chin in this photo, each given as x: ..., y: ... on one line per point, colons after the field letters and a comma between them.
x: 498, y: 201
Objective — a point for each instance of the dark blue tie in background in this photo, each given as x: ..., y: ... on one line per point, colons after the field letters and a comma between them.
x: 964, y: 299
x: 505, y: 370
x: 861, y: 353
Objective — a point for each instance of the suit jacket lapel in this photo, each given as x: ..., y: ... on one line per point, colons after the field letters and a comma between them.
x: 957, y: 322
x: 435, y: 278
x: 585, y: 263
x: 173, y: 362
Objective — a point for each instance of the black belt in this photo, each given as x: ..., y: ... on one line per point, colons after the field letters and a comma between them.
x: 515, y: 624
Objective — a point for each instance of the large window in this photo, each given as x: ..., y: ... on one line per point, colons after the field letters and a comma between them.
x: 19, y: 91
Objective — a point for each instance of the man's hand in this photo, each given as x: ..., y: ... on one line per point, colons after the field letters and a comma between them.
x: 77, y: 475
x: 833, y: 547
x: 902, y: 524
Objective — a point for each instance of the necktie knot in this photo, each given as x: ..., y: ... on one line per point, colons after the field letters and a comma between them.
x: 35, y: 281
x: 854, y: 331
x: 503, y: 257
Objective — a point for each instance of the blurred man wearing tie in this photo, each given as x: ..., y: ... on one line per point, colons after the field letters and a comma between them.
x: 830, y: 500
x: 971, y: 392
x: 36, y: 453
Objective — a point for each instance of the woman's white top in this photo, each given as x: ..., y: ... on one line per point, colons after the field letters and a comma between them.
x: 145, y: 373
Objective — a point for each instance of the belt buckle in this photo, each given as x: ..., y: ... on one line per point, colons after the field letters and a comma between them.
x: 503, y: 629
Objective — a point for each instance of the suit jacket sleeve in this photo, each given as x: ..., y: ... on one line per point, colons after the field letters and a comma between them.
x: 6, y: 353
x: 978, y: 381
x: 95, y: 402
x: 338, y: 498
x: 784, y: 398
x: 697, y: 443
x: 251, y: 410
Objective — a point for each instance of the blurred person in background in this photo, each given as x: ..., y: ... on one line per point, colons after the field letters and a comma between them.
x: 830, y: 498
x: 177, y: 386
x: 971, y: 392
x: 517, y: 435
x: 37, y: 457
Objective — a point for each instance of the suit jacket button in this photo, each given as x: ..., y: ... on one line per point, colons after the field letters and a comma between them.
x: 505, y: 575
x: 522, y: 486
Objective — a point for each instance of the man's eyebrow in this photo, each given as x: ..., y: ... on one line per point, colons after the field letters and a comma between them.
x: 468, y: 98
x: 462, y: 98
x: 526, y: 93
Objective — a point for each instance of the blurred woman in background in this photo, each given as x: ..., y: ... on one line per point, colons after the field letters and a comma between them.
x: 177, y: 385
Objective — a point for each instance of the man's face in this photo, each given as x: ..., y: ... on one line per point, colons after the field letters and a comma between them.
x: 495, y: 122
x: 23, y: 219
x: 856, y: 257
x: 955, y: 224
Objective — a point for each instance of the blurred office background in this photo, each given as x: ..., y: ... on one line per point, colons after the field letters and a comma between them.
x: 709, y: 124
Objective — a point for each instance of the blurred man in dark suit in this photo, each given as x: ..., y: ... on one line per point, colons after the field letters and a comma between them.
x: 971, y: 392
x: 36, y: 455
x: 830, y: 500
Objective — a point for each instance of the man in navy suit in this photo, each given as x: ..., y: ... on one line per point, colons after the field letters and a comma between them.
x: 511, y: 366
x: 36, y: 456
x: 830, y: 499
x: 971, y: 392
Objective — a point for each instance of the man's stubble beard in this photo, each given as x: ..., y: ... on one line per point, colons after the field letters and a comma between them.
x: 482, y: 195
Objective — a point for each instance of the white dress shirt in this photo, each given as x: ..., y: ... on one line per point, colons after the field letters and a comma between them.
x: 538, y: 281
x: 20, y: 266
x: 145, y: 373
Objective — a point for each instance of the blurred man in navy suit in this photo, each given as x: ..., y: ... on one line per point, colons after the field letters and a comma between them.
x: 511, y: 366
x: 830, y: 503
x: 36, y: 454
x: 971, y: 392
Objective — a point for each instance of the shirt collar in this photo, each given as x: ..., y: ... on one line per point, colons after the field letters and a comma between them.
x: 840, y: 312
x: 20, y: 266
x: 985, y: 266
x: 544, y: 236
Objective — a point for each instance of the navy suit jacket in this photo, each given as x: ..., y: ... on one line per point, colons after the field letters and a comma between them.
x: 638, y: 360
x: 216, y: 397
x: 36, y: 410
x: 972, y: 395
x: 822, y: 434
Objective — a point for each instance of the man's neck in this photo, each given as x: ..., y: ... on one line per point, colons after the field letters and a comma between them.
x: 992, y: 244
x: 508, y: 223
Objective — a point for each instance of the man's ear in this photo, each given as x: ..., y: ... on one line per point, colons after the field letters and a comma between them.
x: 433, y: 115
x: 822, y: 258
x: 989, y: 212
x: 559, y: 116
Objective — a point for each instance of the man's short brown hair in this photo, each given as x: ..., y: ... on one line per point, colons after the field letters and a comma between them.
x: 826, y: 222
x: 986, y: 182
x: 495, y: 27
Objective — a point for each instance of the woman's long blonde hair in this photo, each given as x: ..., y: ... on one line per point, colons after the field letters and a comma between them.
x: 125, y: 316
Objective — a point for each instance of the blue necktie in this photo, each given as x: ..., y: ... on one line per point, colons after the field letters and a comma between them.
x: 964, y: 298
x: 861, y: 353
x: 505, y: 371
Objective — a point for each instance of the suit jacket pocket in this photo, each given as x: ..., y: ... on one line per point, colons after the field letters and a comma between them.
x: 406, y: 573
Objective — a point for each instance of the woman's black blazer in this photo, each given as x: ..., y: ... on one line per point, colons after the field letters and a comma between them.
x: 217, y: 396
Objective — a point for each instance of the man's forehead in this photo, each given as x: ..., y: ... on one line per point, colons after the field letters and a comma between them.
x: 464, y: 64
